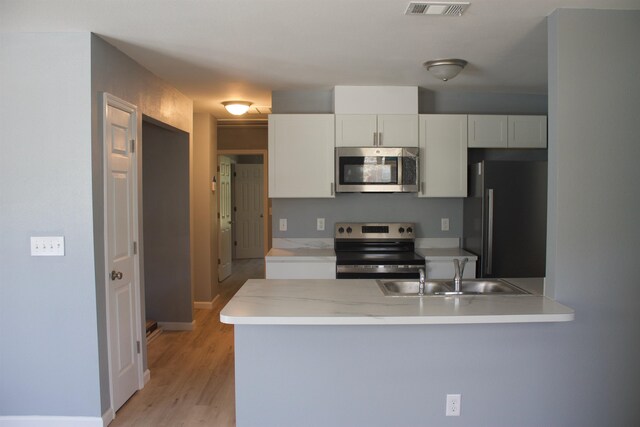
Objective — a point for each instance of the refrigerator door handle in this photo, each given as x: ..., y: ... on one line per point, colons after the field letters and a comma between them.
x: 489, y: 257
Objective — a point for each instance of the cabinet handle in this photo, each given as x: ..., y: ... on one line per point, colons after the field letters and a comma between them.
x: 332, y: 191
x: 380, y: 139
x: 375, y: 139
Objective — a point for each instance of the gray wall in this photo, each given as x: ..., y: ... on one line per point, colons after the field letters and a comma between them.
x: 167, y: 257
x: 430, y: 102
x: 52, y: 309
x: 581, y: 373
x: 49, y: 357
x: 301, y: 214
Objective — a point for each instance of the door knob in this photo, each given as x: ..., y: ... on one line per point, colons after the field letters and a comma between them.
x: 116, y: 275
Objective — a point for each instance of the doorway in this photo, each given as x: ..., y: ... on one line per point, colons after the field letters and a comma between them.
x: 166, y: 225
x: 251, y: 217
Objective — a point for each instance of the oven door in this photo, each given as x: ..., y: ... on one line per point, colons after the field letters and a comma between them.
x: 374, y: 169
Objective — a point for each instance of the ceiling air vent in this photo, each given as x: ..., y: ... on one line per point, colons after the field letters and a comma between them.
x: 437, y: 8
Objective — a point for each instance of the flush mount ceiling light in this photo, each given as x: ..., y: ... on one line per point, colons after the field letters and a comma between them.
x: 237, y: 108
x: 445, y: 69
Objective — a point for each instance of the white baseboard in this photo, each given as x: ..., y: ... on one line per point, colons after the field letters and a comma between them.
x: 147, y: 376
x: 176, y: 326
x: 53, y: 421
x: 107, y: 417
x: 205, y: 305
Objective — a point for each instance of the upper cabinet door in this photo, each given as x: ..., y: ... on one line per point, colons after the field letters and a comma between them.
x: 356, y: 130
x: 301, y: 155
x: 398, y: 130
x: 443, y: 155
x: 385, y: 130
x: 488, y: 131
x: 527, y: 131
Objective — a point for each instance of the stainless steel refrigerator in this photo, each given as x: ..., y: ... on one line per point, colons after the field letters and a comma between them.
x: 505, y: 218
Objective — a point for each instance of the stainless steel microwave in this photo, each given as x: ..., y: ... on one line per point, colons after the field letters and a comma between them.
x: 377, y: 169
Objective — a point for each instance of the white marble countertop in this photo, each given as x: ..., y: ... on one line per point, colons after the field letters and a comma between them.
x: 361, y: 302
x: 445, y: 253
x: 301, y: 254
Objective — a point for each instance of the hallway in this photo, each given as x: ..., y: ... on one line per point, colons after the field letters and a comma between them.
x: 192, y: 375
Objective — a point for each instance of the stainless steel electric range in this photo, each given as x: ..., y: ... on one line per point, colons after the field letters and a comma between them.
x: 376, y: 250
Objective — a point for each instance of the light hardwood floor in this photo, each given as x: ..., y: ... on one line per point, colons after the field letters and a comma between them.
x: 192, y: 375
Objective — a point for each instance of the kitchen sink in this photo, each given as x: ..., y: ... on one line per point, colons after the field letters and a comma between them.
x: 409, y: 288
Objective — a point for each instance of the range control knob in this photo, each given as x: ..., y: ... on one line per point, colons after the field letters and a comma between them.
x: 409, y: 230
x: 349, y: 230
x: 401, y: 230
x: 341, y: 230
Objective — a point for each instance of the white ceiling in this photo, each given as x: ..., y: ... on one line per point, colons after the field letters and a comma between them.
x: 216, y: 50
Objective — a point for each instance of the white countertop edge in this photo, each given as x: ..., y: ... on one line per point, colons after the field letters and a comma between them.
x: 399, y: 320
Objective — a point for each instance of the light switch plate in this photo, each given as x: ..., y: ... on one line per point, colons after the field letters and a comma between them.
x: 444, y: 224
x: 47, y: 246
x: 320, y: 224
x: 283, y: 224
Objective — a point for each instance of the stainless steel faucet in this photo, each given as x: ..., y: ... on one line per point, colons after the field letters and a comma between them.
x: 458, y: 268
x: 421, y: 282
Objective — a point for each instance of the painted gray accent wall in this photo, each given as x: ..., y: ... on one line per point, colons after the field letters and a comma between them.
x: 301, y: 214
x: 441, y: 102
x: 581, y: 373
x: 594, y: 200
x: 302, y: 101
x: 167, y: 258
x: 49, y: 354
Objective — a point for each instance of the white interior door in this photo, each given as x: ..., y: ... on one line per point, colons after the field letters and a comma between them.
x: 225, y: 232
x: 249, y: 211
x: 123, y: 295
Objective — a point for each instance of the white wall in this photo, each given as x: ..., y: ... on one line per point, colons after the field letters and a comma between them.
x: 49, y: 355
x: 205, y: 162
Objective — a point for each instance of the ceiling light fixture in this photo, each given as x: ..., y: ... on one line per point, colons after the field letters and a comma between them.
x: 237, y: 108
x: 445, y: 69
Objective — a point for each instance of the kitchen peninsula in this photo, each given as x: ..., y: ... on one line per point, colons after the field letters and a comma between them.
x: 339, y: 352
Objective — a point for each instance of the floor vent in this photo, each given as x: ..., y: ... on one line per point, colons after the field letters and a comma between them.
x: 437, y: 8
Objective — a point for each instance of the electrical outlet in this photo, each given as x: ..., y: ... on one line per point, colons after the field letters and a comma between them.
x: 453, y: 405
x: 47, y: 246
x: 444, y: 224
x: 283, y: 224
x: 320, y: 224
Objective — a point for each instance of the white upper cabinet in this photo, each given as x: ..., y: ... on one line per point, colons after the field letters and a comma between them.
x: 385, y: 130
x: 356, y: 130
x: 528, y: 131
x: 488, y: 131
x: 499, y: 131
x: 443, y: 155
x: 301, y: 155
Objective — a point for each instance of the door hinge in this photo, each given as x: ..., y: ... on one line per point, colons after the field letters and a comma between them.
x: 133, y: 145
x: 218, y: 215
x: 235, y: 209
x: 218, y: 261
x: 138, y: 346
x: 135, y: 248
x: 235, y: 243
